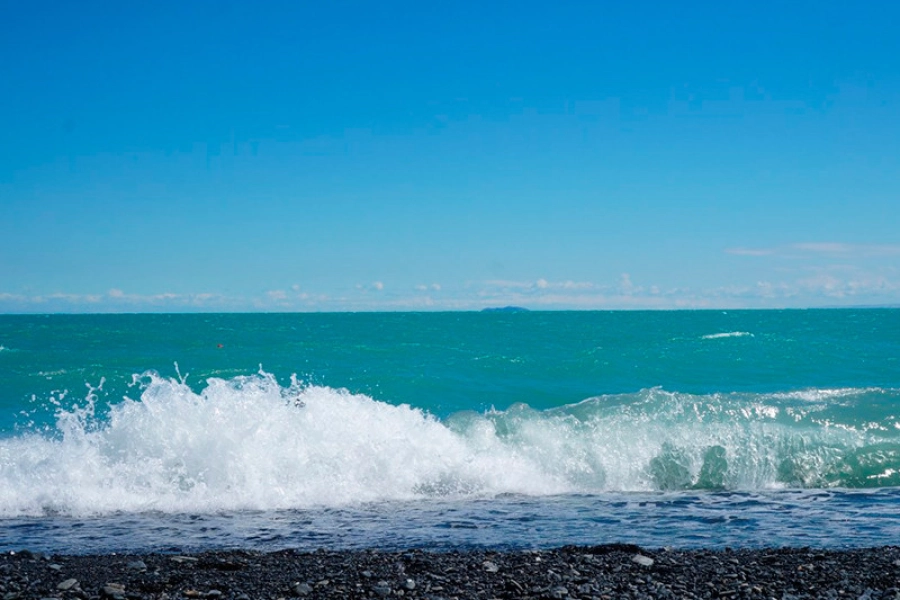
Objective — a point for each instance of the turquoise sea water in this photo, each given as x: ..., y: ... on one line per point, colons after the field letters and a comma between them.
x: 684, y: 428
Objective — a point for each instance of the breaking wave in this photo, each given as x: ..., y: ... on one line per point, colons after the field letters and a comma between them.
x: 728, y: 334
x: 250, y: 443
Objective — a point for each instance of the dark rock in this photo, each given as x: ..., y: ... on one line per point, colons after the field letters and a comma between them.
x: 644, y: 561
x: 137, y: 565
x: 302, y: 589
x: 67, y: 585
x: 563, y: 573
x: 490, y: 567
x: 116, y: 591
x: 382, y: 588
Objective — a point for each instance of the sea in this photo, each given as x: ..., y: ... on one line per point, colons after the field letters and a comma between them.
x: 455, y: 430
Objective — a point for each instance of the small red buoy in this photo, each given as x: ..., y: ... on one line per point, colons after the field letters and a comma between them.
x: 220, y: 345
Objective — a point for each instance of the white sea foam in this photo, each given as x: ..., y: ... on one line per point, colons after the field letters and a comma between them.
x: 826, y: 394
x: 250, y: 443
x: 727, y: 334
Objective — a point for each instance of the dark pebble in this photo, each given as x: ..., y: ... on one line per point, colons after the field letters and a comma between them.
x: 562, y: 573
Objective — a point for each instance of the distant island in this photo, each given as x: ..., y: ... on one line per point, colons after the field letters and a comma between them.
x: 505, y: 309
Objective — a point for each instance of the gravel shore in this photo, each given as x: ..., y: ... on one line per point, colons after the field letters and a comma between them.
x: 612, y: 571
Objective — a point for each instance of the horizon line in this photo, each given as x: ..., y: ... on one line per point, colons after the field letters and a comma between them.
x: 488, y: 309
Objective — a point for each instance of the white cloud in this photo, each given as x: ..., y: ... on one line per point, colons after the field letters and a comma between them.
x: 810, y: 249
x: 505, y: 283
x: 538, y: 285
x: 852, y: 284
x: 375, y: 286
x: 808, y: 284
x: 826, y: 247
x: 750, y: 251
x: 113, y: 300
x: 75, y: 298
x: 577, y: 285
x: 855, y: 250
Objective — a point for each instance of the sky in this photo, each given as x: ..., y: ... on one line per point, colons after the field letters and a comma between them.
x: 352, y: 156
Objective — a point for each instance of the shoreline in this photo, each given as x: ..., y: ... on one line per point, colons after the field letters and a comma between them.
x: 570, y: 572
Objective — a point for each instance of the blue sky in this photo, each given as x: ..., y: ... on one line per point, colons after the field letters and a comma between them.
x: 219, y: 156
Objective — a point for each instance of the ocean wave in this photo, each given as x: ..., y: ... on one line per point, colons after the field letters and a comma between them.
x: 727, y: 334
x: 250, y: 443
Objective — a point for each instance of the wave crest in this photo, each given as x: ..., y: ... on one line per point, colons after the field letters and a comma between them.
x: 728, y: 334
x: 250, y: 443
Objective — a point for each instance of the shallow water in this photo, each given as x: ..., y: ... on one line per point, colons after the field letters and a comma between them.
x: 824, y: 519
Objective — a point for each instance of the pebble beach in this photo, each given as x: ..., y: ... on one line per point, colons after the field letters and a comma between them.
x: 599, y: 572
